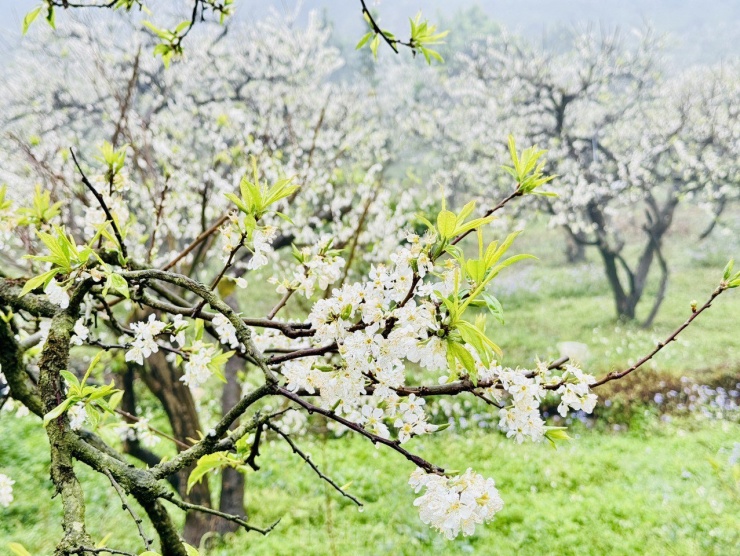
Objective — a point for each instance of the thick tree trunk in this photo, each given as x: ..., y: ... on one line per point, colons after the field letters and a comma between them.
x: 164, y: 382
x: 232, y: 481
x: 624, y: 302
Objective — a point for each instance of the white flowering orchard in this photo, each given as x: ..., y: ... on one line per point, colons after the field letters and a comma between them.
x: 113, y: 280
x: 359, y: 358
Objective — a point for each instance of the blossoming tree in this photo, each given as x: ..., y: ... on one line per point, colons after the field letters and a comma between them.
x: 116, y: 278
x: 618, y: 135
x: 255, y: 93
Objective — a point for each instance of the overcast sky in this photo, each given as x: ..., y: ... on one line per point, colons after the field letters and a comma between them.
x: 702, y: 30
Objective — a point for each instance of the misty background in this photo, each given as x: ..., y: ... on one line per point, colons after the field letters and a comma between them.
x: 699, y: 32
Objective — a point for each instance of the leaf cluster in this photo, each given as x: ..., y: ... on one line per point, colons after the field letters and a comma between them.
x: 94, y: 397
x: 527, y: 170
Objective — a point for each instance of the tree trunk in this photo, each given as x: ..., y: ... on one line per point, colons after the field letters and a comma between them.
x: 133, y: 446
x: 624, y: 302
x: 575, y: 251
x: 232, y: 481
x: 164, y: 382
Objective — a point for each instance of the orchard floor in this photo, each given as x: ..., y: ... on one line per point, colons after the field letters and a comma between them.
x: 650, y: 491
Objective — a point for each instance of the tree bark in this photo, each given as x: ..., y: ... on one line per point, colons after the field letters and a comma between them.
x: 232, y: 481
x: 163, y: 379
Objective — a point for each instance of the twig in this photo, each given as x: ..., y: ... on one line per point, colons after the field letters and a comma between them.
x: 108, y: 347
x: 102, y: 203
x: 160, y: 208
x: 486, y: 399
x: 280, y: 304
x: 102, y: 550
x: 377, y: 29
x: 393, y: 444
x: 614, y: 375
x: 184, y: 253
x: 170, y: 497
x: 489, y: 212
x: 307, y: 459
x: 127, y: 507
x: 216, y: 281
x: 254, y: 453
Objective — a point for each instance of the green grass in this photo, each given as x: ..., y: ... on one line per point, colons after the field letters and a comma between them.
x: 631, y: 493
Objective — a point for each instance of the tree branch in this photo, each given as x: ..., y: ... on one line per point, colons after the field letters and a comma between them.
x: 307, y: 459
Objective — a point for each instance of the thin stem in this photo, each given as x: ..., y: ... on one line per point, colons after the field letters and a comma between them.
x: 307, y: 459
x: 102, y: 204
x: 660, y: 345
x: 393, y: 444
x: 280, y: 304
x: 218, y: 278
x: 170, y: 497
x: 197, y: 241
x: 129, y: 509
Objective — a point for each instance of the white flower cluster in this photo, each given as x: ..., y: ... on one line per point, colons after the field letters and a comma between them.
x: 521, y: 419
x: 144, y: 344
x: 56, y: 294
x: 261, y: 244
x: 226, y: 331
x: 196, y: 371
x: 77, y: 415
x: 6, y: 490
x: 81, y: 333
x: 375, y: 333
x: 262, y: 239
x: 455, y: 504
x: 320, y: 268
x: 577, y: 394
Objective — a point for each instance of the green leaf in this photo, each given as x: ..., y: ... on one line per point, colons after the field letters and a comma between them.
x: 363, y: 40
x: 374, y: 44
x: 728, y: 270
x: 494, y: 306
x: 446, y: 224
x: 39, y: 281
x: 463, y: 355
x: 209, y: 463
x: 191, y: 550
x: 30, y: 18
x: 161, y: 33
x: 58, y: 410
x: 555, y: 434
x: 118, y: 283
x: 18, y: 549
x: 51, y: 17
x: 71, y: 379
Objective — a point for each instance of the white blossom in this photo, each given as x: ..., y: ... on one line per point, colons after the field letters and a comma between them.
x: 6, y: 490
x: 56, y: 294
x: 455, y: 504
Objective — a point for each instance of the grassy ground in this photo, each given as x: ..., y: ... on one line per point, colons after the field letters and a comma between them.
x: 646, y: 492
